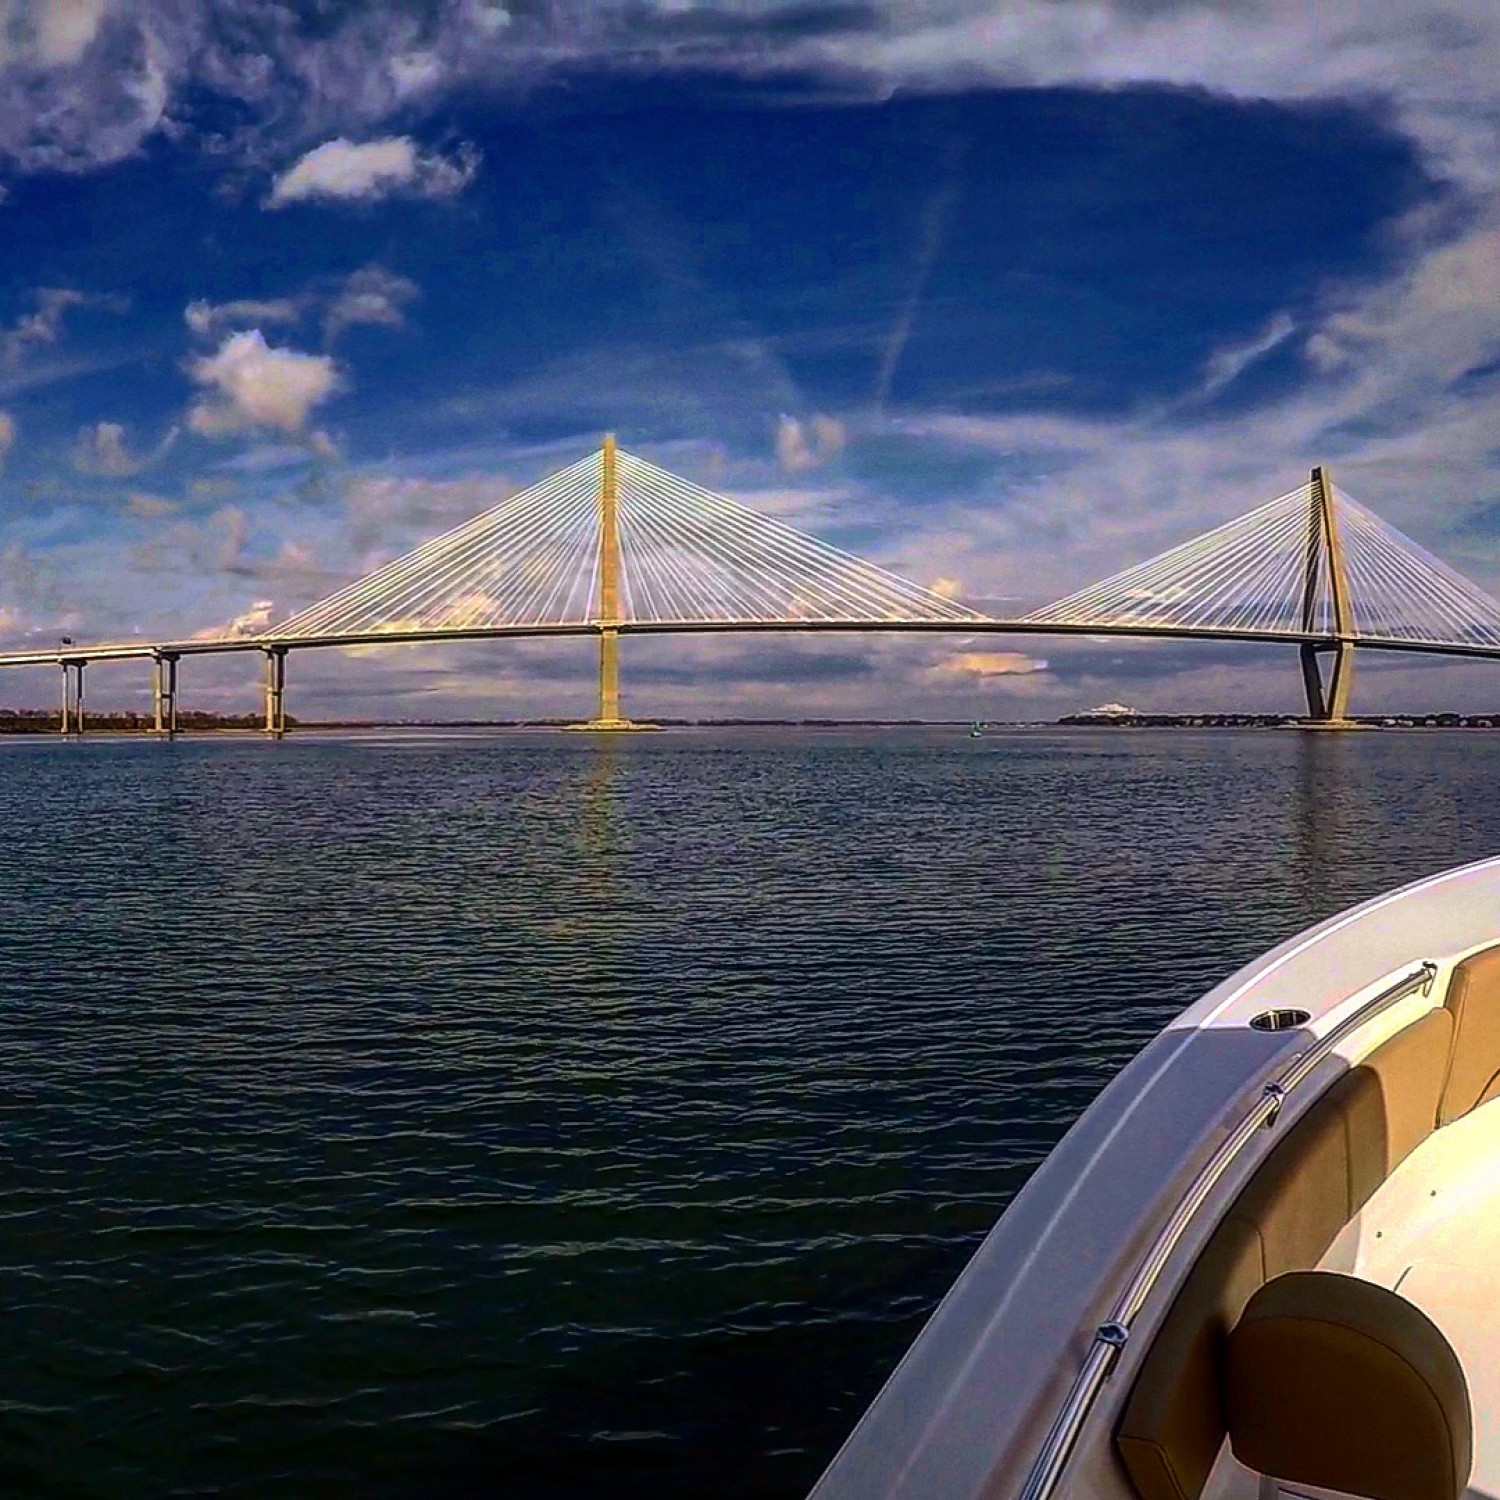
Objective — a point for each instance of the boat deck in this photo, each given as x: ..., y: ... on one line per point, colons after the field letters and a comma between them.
x: 1432, y: 1232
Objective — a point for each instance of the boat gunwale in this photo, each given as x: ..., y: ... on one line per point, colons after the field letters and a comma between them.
x: 936, y: 1428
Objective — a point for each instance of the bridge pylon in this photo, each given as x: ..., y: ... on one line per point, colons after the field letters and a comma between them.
x: 1326, y: 577
x: 609, y: 718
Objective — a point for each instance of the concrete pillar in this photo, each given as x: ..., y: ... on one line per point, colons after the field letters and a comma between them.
x: 1343, y: 677
x: 164, y: 694
x: 72, y: 696
x: 275, y: 691
x: 1312, y: 683
x: 609, y: 676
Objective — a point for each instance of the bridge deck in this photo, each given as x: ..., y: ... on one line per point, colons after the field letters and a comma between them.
x: 143, y: 650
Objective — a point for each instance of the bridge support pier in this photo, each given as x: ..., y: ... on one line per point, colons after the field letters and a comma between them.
x: 1328, y: 703
x: 609, y: 676
x: 164, y: 695
x: 275, y: 689
x: 72, y: 697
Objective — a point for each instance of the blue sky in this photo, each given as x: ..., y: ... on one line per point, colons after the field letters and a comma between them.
x: 1009, y: 295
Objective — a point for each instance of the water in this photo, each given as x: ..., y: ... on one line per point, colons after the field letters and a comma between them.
x: 530, y: 1116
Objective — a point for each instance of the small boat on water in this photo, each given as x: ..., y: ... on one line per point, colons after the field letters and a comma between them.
x: 1265, y: 1262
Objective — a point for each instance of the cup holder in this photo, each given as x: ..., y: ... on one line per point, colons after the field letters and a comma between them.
x: 1280, y: 1020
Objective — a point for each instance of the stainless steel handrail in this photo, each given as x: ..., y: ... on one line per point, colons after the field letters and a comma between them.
x: 1112, y: 1335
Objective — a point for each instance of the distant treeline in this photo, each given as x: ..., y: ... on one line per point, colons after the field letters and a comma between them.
x: 1278, y: 721
x: 45, y: 721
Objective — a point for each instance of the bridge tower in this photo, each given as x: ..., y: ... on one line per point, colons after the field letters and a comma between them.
x: 1327, y: 702
x: 611, y: 616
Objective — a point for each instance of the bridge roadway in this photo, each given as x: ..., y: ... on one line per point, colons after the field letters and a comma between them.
x: 72, y: 655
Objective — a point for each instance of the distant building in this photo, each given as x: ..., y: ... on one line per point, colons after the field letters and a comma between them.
x: 1107, y: 713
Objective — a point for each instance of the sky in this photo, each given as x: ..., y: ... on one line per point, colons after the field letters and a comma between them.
x: 1002, y: 294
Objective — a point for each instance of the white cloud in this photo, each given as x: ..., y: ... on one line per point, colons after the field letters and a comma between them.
x: 148, y: 507
x: 488, y: 17
x: 248, y: 386
x: 416, y: 72
x: 988, y: 664
x: 268, y: 458
x: 1226, y: 365
x: 195, y: 549
x: 84, y: 81
x: 103, y: 449
x: 251, y: 622
x: 232, y: 527
x: 61, y: 30
x: 372, y: 295
x: 210, y: 319
x: 807, y: 445
x: 341, y: 170
x: 93, y: 80
x: 43, y: 326
x: 49, y: 33
x: 385, y: 514
x: 7, y: 435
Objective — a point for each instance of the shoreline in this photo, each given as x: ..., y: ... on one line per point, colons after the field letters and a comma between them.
x: 39, y: 726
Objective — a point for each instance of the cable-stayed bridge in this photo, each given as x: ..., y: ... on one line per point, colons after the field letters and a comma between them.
x: 614, y: 546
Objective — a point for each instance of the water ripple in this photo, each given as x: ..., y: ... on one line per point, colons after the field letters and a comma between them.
x: 525, y: 1115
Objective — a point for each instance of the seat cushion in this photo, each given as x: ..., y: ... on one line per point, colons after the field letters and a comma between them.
x: 1313, y: 1182
x: 1390, y: 1102
x: 1474, y: 1001
x: 1340, y: 1383
x: 1174, y: 1425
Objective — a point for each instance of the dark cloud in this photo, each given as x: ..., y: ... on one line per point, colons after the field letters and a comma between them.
x: 762, y: 659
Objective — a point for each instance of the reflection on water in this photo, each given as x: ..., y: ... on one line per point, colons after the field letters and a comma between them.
x: 571, y: 1116
x: 1322, y: 765
x: 602, y: 831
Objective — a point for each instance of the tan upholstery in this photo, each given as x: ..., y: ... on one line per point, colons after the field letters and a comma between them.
x: 1174, y: 1424
x: 1311, y: 1185
x: 1336, y: 1382
x: 1474, y: 1000
x: 1391, y: 1103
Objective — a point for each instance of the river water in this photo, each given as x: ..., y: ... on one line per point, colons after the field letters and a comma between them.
x: 529, y: 1115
